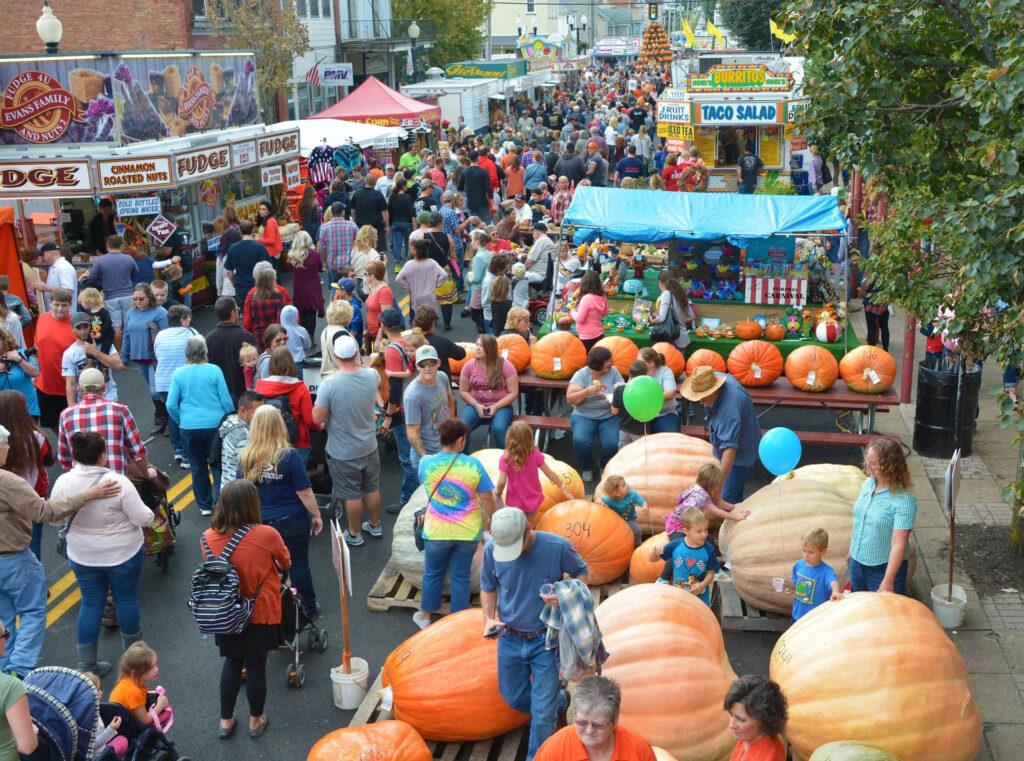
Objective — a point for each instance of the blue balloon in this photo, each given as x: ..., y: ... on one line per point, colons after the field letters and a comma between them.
x: 780, y: 451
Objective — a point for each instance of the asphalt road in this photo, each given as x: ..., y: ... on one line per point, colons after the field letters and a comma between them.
x: 189, y: 662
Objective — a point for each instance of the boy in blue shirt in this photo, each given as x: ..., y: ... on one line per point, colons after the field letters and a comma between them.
x: 624, y: 501
x: 693, y: 557
x: 345, y: 290
x: 814, y: 581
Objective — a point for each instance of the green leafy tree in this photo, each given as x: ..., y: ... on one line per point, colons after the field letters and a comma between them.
x: 273, y: 30
x: 748, y: 21
x: 928, y: 97
x: 459, y: 32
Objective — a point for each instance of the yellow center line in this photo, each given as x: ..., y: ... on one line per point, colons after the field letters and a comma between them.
x: 61, y: 585
x: 62, y: 607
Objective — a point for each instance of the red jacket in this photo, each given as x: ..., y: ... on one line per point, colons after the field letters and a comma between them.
x: 298, y: 397
x: 492, y: 170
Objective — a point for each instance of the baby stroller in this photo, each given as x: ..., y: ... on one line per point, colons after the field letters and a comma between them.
x: 296, y: 626
x: 160, y: 534
x: 145, y: 742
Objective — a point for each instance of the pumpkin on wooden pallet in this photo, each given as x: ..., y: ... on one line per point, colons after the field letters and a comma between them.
x: 668, y: 657
x: 755, y: 363
x: 515, y: 349
x: 868, y: 370
x: 600, y: 536
x: 643, y: 570
x: 850, y: 750
x: 674, y: 359
x: 444, y: 682
x: 703, y: 357
x: 881, y: 650
x: 380, y: 741
x: 845, y: 479
x: 812, y: 368
x: 660, y: 466
x: 558, y: 355
x: 623, y: 352
x: 456, y: 365
x: 567, y: 476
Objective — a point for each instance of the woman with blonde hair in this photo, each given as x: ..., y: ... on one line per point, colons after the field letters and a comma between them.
x: 657, y: 183
x: 286, y: 494
x: 364, y: 250
x: 339, y: 315
x: 307, y: 290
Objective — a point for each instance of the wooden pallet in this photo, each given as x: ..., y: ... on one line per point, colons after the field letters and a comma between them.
x: 508, y: 747
x: 737, y: 616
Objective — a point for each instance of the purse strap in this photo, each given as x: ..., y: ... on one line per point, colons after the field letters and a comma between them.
x: 69, y: 521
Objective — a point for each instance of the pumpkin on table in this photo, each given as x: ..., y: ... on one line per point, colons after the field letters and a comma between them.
x: 456, y: 365
x: 775, y: 331
x: 892, y: 678
x: 748, y: 329
x: 868, y: 369
x: 702, y: 357
x: 674, y: 359
x: 812, y: 368
x: 623, y: 352
x: 668, y: 657
x: 567, y: 476
x: 558, y: 355
x: 444, y: 682
x: 515, y: 349
x: 755, y: 363
x: 643, y: 570
x: 600, y: 536
x: 380, y: 741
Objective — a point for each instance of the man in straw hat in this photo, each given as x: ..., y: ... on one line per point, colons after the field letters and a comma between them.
x: 731, y: 422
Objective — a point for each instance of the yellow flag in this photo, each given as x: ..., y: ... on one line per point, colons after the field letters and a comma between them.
x: 713, y: 30
x: 777, y: 31
x: 688, y: 33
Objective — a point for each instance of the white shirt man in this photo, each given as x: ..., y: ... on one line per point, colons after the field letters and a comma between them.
x: 60, y: 274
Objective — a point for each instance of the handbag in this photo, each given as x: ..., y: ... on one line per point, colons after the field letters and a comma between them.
x: 419, y: 517
x: 62, y: 532
x: 667, y: 329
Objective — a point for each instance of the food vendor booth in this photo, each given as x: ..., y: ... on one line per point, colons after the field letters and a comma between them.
x: 740, y: 258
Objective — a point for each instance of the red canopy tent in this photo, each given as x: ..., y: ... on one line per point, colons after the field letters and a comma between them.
x: 10, y: 260
x: 373, y: 102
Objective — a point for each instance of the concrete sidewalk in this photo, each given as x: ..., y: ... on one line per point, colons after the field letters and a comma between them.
x: 991, y: 639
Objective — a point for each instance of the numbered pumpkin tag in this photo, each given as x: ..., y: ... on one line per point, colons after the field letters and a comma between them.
x: 874, y: 376
x: 811, y: 377
x: 557, y: 362
x: 387, y: 699
x: 757, y: 370
x: 504, y: 353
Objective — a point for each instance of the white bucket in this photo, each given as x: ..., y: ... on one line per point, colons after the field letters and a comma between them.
x: 350, y: 689
x: 949, y: 612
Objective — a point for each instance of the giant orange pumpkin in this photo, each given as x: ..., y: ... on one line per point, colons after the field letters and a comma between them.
x: 668, y: 657
x: 812, y: 368
x: 674, y: 359
x: 600, y: 536
x: 703, y: 357
x: 660, y: 466
x: 643, y: 570
x: 456, y: 365
x: 558, y: 355
x: 567, y: 476
x: 877, y: 650
x: 755, y: 363
x: 380, y: 741
x: 748, y: 329
x: 515, y: 349
x: 444, y: 682
x: 868, y: 369
x: 623, y: 352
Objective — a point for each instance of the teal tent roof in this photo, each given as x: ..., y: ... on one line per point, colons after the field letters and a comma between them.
x: 650, y: 216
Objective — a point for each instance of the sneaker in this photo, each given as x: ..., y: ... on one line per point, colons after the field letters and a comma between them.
x: 587, y: 475
x: 207, y: 512
x: 185, y: 464
x: 178, y: 457
x: 394, y: 509
x: 354, y: 541
x: 421, y: 619
x: 398, y: 268
x: 375, y: 531
x: 558, y: 434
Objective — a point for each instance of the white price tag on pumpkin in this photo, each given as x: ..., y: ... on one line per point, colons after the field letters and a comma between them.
x: 757, y: 370
x: 557, y: 362
x: 504, y: 353
x: 811, y: 377
x: 874, y: 376
x: 387, y: 699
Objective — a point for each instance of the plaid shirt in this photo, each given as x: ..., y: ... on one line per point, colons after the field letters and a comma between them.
x: 259, y: 314
x: 875, y: 517
x: 452, y: 219
x: 560, y: 205
x: 336, y: 239
x: 112, y: 420
x: 575, y: 614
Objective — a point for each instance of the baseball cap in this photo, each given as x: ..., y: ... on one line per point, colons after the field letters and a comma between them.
x: 345, y: 346
x: 389, y: 165
x: 347, y: 284
x: 391, y: 318
x: 520, y: 196
x: 591, y: 145
x: 541, y: 226
x: 508, y: 527
x: 80, y: 318
x: 425, y: 352
x: 48, y: 247
x: 91, y: 378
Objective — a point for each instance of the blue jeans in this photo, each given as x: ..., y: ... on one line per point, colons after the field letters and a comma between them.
x: 484, y: 214
x: 499, y: 423
x: 666, y: 423
x: 410, y: 476
x: 585, y: 430
x: 172, y: 427
x: 36, y: 543
x: 186, y: 278
x: 197, y: 443
x: 745, y: 189
x: 400, y: 232
x: 123, y: 581
x: 732, y: 490
x: 294, y: 530
x: 518, y: 660
x: 303, y: 453
x: 22, y: 595
x: 867, y: 578
x: 439, y: 556
x: 148, y: 373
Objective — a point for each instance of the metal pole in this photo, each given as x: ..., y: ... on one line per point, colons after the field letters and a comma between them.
x: 909, y: 339
x: 957, y: 422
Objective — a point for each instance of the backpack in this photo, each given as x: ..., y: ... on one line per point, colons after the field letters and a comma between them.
x: 826, y: 173
x: 215, y: 597
x: 282, y: 405
x: 217, y: 442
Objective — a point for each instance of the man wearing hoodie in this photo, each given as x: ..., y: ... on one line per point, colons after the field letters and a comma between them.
x: 298, y: 337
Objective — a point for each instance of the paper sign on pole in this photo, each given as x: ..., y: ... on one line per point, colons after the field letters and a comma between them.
x: 675, y: 131
x: 341, y: 559
x: 292, y: 176
x: 385, y: 143
x: 138, y: 207
x: 798, y: 143
x: 161, y: 228
x: 272, y: 175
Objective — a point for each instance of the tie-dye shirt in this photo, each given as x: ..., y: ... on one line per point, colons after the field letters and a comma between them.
x: 453, y: 513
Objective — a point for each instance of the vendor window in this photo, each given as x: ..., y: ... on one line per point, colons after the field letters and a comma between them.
x: 730, y: 142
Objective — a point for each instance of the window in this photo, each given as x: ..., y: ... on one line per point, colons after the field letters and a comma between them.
x: 327, y: 8
x: 199, y: 8
x: 531, y: 6
x: 301, y: 8
x: 314, y: 8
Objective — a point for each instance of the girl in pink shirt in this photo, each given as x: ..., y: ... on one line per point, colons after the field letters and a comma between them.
x: 590, y: 310
x: 520, y: 467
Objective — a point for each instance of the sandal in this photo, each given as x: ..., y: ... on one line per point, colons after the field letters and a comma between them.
x: 421, y: 620
x: 261, y: 728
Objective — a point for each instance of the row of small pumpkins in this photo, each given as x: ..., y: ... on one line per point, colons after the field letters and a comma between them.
x: 865, y: 369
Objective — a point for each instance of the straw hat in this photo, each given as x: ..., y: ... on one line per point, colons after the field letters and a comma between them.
x: 704, y: 382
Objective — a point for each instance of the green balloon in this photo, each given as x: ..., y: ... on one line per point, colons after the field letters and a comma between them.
x: 643, y: 398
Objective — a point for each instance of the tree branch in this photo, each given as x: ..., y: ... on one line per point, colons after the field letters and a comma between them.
x: 972, y: 30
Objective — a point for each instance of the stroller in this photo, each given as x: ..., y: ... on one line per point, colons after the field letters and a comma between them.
x: 64, y: 705
x: 159, y: 535
x: 296, y: 626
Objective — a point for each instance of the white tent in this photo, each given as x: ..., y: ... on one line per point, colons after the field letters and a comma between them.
x: 312, y: 132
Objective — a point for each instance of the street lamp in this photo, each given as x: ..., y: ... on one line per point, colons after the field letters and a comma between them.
x: 49, y: 29
x: 414, y: 34
x: 577, y: 29
x: 520, y: 26
x: 533, y: 24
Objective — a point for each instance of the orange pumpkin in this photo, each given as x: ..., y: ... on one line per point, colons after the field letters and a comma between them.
x: 515, y: 349
x: 812, y: 368
x: 600, y: 536
x: 674, y: 359
x: 553, y: 495
x: 703, y: 357
x: 623, y: 352
x: 456, y: 365
x: 668, y: 657
x: 775, y: 331
x: 643, y: 570
x: 380, y: 741
x: 881, y: 650
x: 755, y: 363
x: 748, y: 330
x: 446, y: 699
x: 660, y: 466
x: 868, y: 369
x: 558, y: 355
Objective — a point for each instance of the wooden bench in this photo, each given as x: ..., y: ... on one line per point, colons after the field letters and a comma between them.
x: 541, y: 424
x: 824, y: 438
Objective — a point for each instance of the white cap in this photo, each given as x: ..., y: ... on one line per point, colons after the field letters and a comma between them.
x: 508, y: 527
x: 345, y: 347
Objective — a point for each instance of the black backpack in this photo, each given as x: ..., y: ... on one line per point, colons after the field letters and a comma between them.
x: 215, y: 597
x: 282, y: 405
x: 826, y: 173
x: 217, y: 443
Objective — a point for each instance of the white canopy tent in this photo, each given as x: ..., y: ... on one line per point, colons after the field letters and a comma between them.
x: 312, y: 132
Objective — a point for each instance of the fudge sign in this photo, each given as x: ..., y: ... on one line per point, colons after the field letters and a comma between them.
x: 54, y: 178
x: 206, y: 162
x: 38, y: 108
x: 280, y: 146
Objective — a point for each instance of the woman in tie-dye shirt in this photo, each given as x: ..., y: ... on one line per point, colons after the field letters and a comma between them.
x: 459, y: 507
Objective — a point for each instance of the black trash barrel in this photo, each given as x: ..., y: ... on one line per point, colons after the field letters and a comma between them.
x: 935, y: 417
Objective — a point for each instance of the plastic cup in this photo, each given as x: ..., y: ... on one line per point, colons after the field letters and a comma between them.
x: 778, y: 583
x: 547, y: 589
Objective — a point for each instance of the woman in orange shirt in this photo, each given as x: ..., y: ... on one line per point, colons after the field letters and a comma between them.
x: 259, y: 559
x: 757, y: 718
x: 271, y: 235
